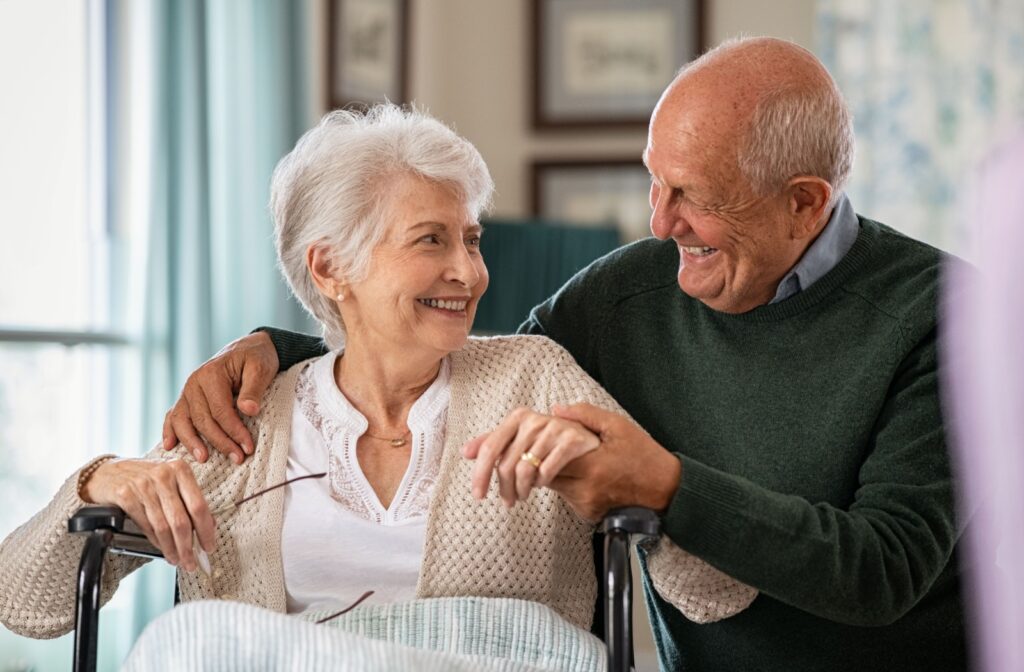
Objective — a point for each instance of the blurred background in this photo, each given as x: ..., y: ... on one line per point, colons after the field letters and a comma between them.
x: 137, y: 139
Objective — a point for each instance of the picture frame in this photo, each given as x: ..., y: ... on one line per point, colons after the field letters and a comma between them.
x: 367, y: 52
x: 594, y: 192
x: 605, y: 62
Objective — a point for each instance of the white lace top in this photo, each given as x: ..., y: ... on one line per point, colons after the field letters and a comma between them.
x: 357, y: 544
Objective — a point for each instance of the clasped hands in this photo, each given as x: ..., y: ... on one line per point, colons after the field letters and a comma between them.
x: 595, y: 459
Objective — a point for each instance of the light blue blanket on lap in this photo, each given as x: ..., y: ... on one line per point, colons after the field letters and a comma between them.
x: 455, y: 633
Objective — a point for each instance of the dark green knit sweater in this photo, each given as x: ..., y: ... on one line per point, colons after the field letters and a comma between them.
x: 813, y: 453
x: 814, y: 460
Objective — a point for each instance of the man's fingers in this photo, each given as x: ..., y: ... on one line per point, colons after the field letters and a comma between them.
x: 225, y: 417
x: 204, y: 422
x: 186, y: 433
x: 256, y: 378
x: 169, y: 438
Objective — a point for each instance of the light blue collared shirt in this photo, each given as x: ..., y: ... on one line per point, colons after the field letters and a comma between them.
x: 825, y: 252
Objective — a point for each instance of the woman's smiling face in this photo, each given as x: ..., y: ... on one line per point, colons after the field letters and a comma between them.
x: 425, y: 278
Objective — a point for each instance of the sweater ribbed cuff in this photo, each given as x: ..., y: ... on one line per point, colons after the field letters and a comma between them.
x: 702, y: 515
x: 293, y: 347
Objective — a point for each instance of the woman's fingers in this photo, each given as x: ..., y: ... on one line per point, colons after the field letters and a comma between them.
x: 555, y: 445
x: 203, y: 523
x: 516, y: 475
x: 153, y: 513
x: 492, y: 449
x: 134, y: 509
x: 165, y: 501
x: 574, y: 442
x: 178, y: 520
x: 549, y: 443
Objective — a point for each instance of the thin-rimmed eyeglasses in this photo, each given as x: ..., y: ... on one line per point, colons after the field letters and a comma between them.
x: 203, y: 560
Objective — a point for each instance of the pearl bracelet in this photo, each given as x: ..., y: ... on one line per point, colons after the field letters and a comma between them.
x: 87, y: 473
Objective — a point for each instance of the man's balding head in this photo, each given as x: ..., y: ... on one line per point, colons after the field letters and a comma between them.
x: 749, y: 149
x: 773, y: 104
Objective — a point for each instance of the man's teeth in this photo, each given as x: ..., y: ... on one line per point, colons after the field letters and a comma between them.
x: 702, y: 251
x: 446, y: 305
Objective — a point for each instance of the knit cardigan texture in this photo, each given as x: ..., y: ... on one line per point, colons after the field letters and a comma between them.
x: 539, y: 550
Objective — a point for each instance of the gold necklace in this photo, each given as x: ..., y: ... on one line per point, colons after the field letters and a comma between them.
x: 397, y: 442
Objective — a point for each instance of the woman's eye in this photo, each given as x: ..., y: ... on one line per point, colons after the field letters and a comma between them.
x: 432, y: 238
x: 473, y: 241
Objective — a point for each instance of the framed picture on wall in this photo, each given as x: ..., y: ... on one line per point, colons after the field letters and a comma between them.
x: 605, y: 62
x: 367, y: 51
x: 594, y: 192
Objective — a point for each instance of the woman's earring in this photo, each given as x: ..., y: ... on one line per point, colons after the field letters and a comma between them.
x: 341, y: 296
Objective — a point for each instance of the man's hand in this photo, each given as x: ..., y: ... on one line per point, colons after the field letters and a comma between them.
x: 246, y: 366
x: 628, y: 469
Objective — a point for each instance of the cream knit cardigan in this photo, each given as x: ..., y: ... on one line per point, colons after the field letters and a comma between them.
x: 539, y: 550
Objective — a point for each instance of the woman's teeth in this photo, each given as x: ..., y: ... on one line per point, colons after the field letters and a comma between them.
x: 702, y: 251
x: 446, y: 305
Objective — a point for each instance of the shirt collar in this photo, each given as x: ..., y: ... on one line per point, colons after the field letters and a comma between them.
x: 825, y: 252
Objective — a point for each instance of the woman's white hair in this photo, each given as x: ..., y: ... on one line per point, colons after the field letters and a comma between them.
x: 332, y: 190
x: 797, y: 128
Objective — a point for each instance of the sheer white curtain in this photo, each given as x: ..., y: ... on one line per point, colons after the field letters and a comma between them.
x: 932, y: 85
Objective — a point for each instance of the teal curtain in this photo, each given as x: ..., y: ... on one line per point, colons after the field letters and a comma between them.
x: 528, y: 260
x: 231, y: 100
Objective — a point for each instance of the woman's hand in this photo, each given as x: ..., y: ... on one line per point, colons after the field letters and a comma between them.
x: 162, y: 498
x: 550, y: 442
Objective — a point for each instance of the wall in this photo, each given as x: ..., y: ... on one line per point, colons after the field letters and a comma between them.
x: 470, y: 67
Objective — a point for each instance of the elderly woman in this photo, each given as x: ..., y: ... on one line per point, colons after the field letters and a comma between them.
x: 377, y: 233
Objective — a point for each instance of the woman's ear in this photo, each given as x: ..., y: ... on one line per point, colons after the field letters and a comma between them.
x: 322, y: 269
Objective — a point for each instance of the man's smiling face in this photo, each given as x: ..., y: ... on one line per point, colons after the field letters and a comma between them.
x: 734, y: 245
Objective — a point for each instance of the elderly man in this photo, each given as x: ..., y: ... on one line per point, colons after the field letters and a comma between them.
x: 789, y: 391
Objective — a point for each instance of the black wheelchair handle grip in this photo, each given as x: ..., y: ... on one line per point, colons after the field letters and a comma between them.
x: 632, y: 520
x: 91, y: 518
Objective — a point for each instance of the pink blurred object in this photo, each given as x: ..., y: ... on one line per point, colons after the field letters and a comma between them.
x: 983, y: 376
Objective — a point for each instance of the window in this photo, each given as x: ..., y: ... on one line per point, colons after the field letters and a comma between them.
x: 67, y: 362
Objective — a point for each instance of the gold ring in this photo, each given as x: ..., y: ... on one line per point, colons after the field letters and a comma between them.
x: 531, y: 458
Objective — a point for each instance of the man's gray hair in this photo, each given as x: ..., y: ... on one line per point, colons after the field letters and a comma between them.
x: 799, y: 128
x: 333, y: 189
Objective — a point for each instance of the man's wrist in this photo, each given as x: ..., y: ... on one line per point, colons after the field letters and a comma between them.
x: 669, y: 475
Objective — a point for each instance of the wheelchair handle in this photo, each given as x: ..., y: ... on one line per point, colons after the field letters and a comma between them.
x: 619, y: 525
x: 91, y: 518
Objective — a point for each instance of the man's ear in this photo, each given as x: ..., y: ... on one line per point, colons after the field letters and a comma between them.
x: 807, y: 200
x: 321, y: 267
